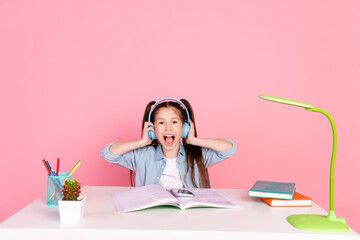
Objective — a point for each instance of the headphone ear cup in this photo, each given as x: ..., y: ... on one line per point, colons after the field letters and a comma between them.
x: 151, y: 134
x: 186, y: 130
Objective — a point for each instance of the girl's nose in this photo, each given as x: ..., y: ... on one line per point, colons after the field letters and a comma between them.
x: 168, y: 127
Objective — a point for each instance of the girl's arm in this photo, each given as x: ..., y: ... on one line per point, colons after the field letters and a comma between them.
x: 217, y: 145
x: 119, y: 148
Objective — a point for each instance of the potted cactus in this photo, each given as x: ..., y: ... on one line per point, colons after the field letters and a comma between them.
x: 71, y: 206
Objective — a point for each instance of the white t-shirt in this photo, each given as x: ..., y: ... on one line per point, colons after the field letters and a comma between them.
x: 170, y: 178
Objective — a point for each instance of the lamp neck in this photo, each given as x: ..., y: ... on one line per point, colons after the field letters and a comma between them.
x: 332, y: 166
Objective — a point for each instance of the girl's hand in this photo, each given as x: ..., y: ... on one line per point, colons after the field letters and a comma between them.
x: 191, y: 136
x: 145, y: 135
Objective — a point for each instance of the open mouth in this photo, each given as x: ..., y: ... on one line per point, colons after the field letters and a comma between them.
x: 169, y: 139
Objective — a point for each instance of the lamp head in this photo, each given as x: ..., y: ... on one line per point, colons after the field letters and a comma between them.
x: 286, y: 101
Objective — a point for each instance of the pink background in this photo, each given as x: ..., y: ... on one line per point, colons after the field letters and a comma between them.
x: 76, y: 75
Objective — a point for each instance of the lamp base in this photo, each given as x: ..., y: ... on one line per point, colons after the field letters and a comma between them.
x: 318, y: 223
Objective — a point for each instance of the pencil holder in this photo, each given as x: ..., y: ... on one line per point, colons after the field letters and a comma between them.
x: 54, y: 187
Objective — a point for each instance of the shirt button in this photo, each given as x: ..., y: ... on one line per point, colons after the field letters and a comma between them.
x: 157, y: 178
x: 162, y: 166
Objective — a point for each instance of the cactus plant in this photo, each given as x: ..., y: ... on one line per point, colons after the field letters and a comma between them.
x: 71, y: 190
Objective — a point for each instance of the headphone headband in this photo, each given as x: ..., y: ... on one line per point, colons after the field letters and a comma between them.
x: 169, y: 100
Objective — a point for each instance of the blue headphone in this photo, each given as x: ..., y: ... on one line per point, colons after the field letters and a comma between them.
x: 186, y: 126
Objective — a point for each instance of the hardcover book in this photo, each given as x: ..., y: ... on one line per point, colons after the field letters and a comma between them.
x: 156, y: 195
x: 299, y: 200
x: 267, y: 189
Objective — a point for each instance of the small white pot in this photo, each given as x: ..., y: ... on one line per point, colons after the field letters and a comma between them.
x: 72, y: 211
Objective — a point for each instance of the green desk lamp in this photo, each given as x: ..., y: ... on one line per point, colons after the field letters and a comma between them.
x: 311, y: 222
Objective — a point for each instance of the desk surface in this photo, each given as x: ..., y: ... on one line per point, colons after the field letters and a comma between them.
x: 255, y: 220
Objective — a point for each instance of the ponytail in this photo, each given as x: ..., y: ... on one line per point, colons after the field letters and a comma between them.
x: 194, y: 155
x: 153, y: 143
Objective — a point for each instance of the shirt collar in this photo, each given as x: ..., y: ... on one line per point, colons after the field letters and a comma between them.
x: 160, y: 156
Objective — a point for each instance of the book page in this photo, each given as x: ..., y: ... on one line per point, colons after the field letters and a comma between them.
x: 207, y: 198
x: 143, y: 197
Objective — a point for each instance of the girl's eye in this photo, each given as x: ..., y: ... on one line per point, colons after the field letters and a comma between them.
x: 174, y: 122
x: 160, y: 122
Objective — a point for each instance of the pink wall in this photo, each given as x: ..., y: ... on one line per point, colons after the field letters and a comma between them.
x: 76, y: 75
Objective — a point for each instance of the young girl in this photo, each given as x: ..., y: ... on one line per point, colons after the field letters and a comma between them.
x: 159, y: 157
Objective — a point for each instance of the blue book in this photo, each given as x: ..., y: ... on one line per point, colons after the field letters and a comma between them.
x: 278, y: 190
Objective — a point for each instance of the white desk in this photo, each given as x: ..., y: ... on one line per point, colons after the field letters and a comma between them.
x: 255, y: 220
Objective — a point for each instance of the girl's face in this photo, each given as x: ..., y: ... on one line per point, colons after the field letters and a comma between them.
x: 168, y: 127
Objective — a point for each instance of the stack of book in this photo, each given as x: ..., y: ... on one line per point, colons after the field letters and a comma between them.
x: 279, y: 194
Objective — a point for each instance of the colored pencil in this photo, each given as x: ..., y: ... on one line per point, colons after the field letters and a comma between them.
x: 74, y: 168
x: 57, y: 172
x: 70, y: 173
x: 46, y: 166
x: 54, y: 173
x: 57, y: 166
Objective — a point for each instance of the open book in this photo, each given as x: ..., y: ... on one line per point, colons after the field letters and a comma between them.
x: 156, y: 195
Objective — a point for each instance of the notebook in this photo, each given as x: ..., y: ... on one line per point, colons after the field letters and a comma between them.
x: 267, y: 189
x: 299, y: 200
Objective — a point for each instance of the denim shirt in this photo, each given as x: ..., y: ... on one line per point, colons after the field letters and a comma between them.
x: 149, y: 163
